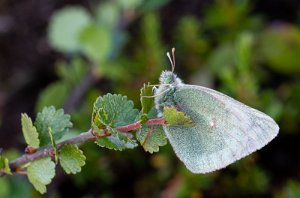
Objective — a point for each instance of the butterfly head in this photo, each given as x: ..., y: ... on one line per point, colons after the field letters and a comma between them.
x: 169, y: 78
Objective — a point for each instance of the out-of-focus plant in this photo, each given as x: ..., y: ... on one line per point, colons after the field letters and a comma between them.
x: 230, y: 48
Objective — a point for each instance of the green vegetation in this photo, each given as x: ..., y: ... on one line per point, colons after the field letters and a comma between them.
x: 117, y: 46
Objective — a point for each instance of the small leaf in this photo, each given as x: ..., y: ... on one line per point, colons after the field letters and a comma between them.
x: 29, y: 131
x: 71, y: 159
x: 146, y: 101
x: 65, y: 27
x: 55, y: 95
x: 71, y: 73
x: 4, y: 165
x: 112, y: 142
x: 56, y: 120
x: 108, y: 13
x: 117, y: 141
x: 96, y: 42
x: 113, y: 111
x: 176, y: 118
x: 40, y: 173
x: 151, y: 137
x: 53, y: 144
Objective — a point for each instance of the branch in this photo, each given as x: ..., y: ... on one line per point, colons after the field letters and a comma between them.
x: 89, y: 79
x: 81, y: 138
x: 79, y: 91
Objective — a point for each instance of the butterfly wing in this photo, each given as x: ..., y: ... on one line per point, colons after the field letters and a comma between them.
x: 224, y: 129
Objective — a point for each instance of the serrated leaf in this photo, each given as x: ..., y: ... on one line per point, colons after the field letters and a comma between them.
x: 56, y: 120
x: 151, y: 137
x: 112, y: 142
x: 96, y: 42
x: 4, y: 165
x: 40, y: 173
x: 53, y: 145
x: 117, y: 141
x: 146, y: 101
x: 113, y: 111
x: 65, y: 28
x: 176, y: 118
x: 30, y: 134
x: 71, y: 159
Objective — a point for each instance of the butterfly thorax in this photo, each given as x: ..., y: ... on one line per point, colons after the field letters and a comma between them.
x: 164, y: 95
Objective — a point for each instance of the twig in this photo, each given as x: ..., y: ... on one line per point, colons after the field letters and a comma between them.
x: 79, y: 91
x: 83, y: 137
x: 89, y: 79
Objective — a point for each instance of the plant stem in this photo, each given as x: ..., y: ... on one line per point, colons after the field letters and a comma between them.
x: 81, y: 138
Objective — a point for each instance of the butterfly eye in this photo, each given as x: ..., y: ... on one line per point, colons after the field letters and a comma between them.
x: 169, y: 79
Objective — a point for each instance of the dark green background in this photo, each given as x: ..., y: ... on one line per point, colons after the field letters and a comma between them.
x: 249, y: 50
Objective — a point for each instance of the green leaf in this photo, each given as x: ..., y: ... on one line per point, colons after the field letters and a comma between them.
x: 279, y: 48
x: 108, y: 13
x: 96, y: 42
x: 151, y: 137
x: 40, y: 173
x: 176, y: 118
x: 72, y: 72
x: 153, y: 4
x: 55, y: 94
x: 65, y: 27
x: 115, y: 143
x: 5, y: 187
x: 53, y: 144
x: 129, y: 4
x: 56, y: 120
x: 291, y: 189
x: 4, y: 165
x: 29, y: 131
x: 146, y: 101
x: 71, y: 159
x: 113, y: 111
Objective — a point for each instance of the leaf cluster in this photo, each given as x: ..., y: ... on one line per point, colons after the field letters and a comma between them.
x: 49, y: 127
x: 110, y: 112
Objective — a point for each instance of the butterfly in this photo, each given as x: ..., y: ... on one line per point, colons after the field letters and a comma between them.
x: 223, y: 130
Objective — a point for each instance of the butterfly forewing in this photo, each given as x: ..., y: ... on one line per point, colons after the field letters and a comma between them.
x: 224, y: 130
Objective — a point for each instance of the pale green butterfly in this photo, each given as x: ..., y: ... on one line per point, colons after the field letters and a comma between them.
x: 223, y: 131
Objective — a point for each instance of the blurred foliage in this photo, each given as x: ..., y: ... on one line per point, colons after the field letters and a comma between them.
x: 121, y: 45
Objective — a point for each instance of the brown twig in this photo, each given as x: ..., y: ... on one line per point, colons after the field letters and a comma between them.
x: 79, y: 91
x: 81, y: 138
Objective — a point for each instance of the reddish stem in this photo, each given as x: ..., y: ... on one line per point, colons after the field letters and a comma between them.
x: 137, y: 125
x: 83, y: 137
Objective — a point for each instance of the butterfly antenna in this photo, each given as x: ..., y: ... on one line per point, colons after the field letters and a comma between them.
x: 173, y: 56
x: 172, y: 60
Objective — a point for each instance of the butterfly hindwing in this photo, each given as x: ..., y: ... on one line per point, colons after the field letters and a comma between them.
x: 224, y: 130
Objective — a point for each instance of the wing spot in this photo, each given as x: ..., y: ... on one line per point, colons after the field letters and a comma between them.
x: 213, y: 123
